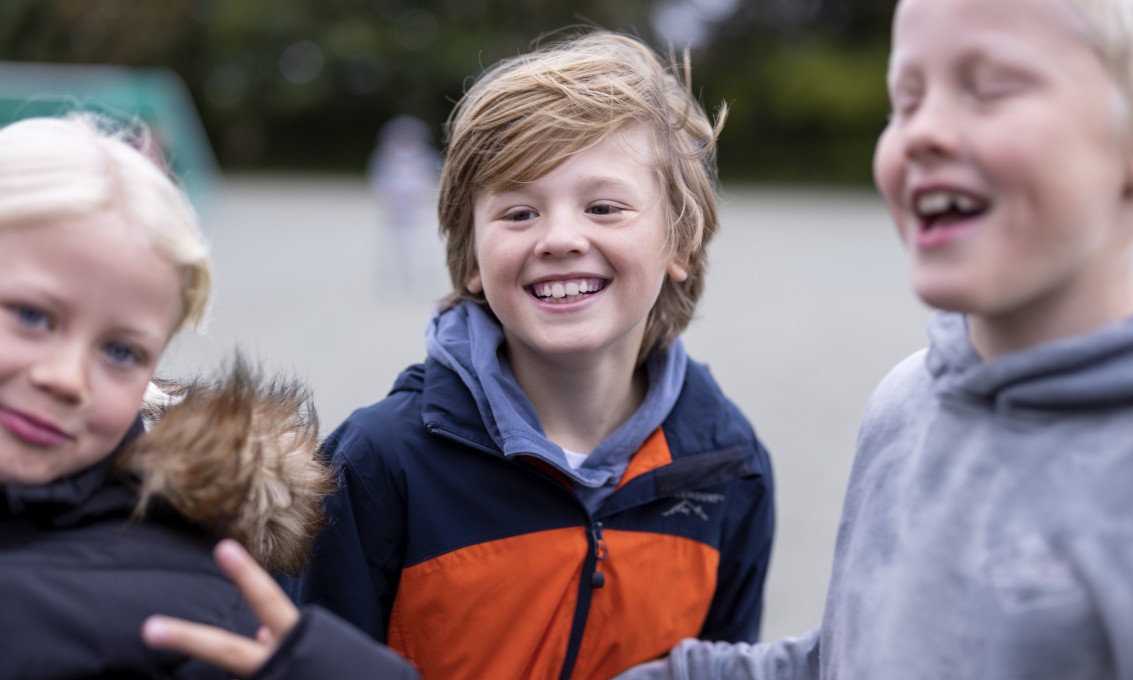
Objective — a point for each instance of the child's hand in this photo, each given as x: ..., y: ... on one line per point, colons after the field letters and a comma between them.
x: 234, y: 653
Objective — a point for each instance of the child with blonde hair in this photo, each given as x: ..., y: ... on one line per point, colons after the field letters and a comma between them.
x: 558, y: 490
x: 987, y: 531
x: 113, y: 491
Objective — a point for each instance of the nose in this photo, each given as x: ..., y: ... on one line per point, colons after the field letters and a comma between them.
x: 562, y: 234
x: 932, y: 129
x: 63, y: 371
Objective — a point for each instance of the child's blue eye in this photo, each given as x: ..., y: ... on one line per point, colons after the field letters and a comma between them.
x: 520, y: 215
x: 32, y: 317
x: 122, y: 354
x: 605, y: 209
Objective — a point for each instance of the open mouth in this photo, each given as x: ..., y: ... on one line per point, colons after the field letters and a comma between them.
x: 941, y: 208
x: 566, y: 290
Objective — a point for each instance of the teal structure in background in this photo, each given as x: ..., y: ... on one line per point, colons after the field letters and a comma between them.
x: 156, y: 97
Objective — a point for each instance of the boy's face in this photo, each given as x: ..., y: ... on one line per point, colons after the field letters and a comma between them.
x: 573, y: 262
x: 1005, y: 164
x: 86, y: 308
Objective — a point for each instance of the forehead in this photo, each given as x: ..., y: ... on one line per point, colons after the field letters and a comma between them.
x: 920, y: 26
x: 635, y: 144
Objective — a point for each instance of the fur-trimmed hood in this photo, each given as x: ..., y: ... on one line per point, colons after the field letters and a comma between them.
x: 238, y: 457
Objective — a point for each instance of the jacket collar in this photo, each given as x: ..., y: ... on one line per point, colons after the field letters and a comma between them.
x: 1089, y: 371
x: 709, y: 440
x: 65, y: 501
x: 468, y: 341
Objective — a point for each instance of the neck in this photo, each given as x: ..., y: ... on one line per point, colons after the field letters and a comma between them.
x: 581, y: 402
x: 1098, y: 297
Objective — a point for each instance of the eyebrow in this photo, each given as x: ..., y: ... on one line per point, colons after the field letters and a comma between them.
x: 138, y: 333
x: 606, y: 182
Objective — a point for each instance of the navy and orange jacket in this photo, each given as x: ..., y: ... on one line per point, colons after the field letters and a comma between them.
x: 473, y: 565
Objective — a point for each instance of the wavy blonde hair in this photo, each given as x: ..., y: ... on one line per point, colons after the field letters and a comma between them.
x: 529, y: 113
x: 52, y: 168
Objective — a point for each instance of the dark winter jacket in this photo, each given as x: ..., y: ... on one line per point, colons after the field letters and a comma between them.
x: 85, y: 559
x: 324, y: 647
x: 476, y: 565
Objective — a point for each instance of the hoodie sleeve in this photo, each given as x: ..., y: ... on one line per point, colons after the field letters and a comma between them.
x: 787, y: 659
x: 322, y: 645
x: 356, y: 564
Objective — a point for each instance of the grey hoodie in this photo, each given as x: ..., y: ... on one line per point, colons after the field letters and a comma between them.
x: 987, y: 530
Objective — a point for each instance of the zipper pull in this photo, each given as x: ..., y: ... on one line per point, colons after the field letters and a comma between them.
x: 601, y: 552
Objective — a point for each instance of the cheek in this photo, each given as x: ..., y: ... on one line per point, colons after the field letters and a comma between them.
x: 888, y: 164
x: 117, y: 407
x: 16, y: 353
x: 503, y: 258
x: 888, y: 177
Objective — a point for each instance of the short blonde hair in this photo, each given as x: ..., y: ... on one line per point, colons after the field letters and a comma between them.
x: 1110, y: 27
x: 53, y: 168
x: 527, y: 114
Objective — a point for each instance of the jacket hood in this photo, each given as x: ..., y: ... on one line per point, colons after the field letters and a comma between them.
x: 469, y: 341
x: 238, y: 457
x: 1088, y: 371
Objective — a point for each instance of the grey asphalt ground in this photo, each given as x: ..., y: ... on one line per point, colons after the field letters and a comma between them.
x: 807, y: 306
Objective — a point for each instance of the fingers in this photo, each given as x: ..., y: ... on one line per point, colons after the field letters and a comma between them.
x: 271, y: 605
x: 236, y: 654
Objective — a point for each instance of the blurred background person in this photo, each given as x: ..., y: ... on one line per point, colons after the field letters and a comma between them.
x: 402, y: 173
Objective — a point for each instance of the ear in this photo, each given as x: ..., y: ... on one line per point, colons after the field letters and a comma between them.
x: 677, y: 270
x: 474, y: 285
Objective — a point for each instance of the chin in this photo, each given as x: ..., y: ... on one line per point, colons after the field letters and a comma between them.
x: 20, y: 475
x: 947, y: 298
x: 569, y: 351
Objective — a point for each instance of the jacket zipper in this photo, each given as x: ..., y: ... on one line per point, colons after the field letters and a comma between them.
x: 592, y: 578
x: 599, y: 550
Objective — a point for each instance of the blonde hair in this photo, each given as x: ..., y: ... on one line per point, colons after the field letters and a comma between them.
x: 52, y: 168
x: 529, y: 113
x: 1109, y: 25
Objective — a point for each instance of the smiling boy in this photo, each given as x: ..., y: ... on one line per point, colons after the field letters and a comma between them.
x: 558, y: 491
x: 987, y: 531
x: 572, y: 280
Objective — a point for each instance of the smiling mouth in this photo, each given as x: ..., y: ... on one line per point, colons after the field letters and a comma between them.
x: 566, y: 290
x: 32, y: 430
x: 941, y: 208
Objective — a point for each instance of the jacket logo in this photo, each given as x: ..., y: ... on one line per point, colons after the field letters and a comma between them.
x: 692, y: 503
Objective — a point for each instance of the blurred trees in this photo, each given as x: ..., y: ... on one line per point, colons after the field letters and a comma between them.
x: 307, y: 83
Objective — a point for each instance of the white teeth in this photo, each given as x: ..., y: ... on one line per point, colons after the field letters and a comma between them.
x: 938, y: 202
x: 965, y: 203
x: 566, y: 290
x: 933, y: 203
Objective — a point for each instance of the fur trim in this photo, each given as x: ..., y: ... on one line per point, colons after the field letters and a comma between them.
x: 239, y: 458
